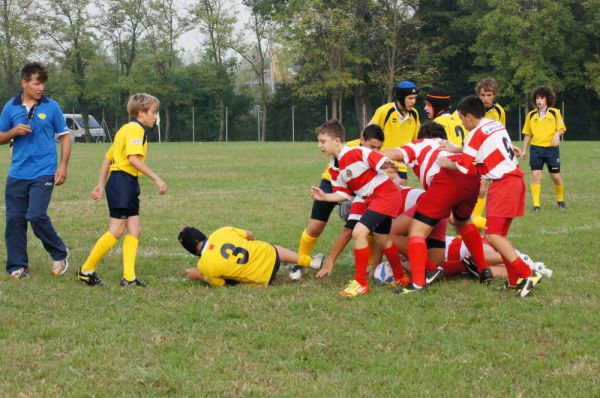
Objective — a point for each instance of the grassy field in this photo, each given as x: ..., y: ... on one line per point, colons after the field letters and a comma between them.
x: 59, y: 337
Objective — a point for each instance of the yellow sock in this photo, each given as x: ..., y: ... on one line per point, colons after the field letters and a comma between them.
x: 536, y: 189
x: 304, y: 260
x: 372, y: 248
x: 130, y: 246
x: 479, y: 206
x: 307, y: 243
x: 560, y: 192
x: 102, y: 246
x: 479, y: 222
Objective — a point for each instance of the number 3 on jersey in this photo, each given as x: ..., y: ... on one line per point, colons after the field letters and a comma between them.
x: 242, y: 254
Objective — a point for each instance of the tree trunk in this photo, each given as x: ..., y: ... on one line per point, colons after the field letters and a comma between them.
x: 221, y: 117
x: 363, y: 107
x: 85, y: 115
x: 167, y: 123
x: 263, y: 123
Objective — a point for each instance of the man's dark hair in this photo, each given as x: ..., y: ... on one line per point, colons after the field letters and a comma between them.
x: 473, y: 105
x: 432, y: 130
x: 545, y: 92
x: 372, y: 131
x: 34, y: 68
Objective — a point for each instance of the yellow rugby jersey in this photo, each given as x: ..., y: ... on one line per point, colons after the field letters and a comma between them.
x: 496, y: 112
x: 398, y: 130
x: 325, y: 175
x: 542, y: 130
x: 228, y: 254
x: 129, y: 140
x: 455, y: 131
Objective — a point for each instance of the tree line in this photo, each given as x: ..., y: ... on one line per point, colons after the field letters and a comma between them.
x: 300, y: 59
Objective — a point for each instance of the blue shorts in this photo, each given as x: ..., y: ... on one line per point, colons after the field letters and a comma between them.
x: 123, y: 195
x: 538, y: 155
x: 322, y: 210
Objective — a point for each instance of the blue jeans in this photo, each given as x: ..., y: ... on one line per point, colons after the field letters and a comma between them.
x: 28, y: 200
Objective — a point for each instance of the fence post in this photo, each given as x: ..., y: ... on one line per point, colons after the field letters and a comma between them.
x: 226, y: 124
x: 293, y: 129
x: 193, y: 126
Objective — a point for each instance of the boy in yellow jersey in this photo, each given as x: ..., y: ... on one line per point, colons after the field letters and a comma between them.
x: 437, y: 107
x: 487, y: 91
x: 232, y: 255
x: 125, y: 161
x: 322, y: 210
x: 544, y: 126
x: 399, y: 120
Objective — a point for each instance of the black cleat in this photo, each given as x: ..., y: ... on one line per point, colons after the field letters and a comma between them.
x: 91, y: 279
x: 410, y: 288
x: 536, y: 208
x: 526, y: 285
x: 486, y: 275
x: 434, y: 276
x: 561, y: 204
x: 471, y: 266
x: 124, y: 282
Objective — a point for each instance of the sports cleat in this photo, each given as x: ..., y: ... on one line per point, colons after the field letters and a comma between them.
x: 91, y: 279
x: 434, y: 276
x: 61, y: 266
x: 316, y: 262
x: 296, y: 273
x: 508, y: 286
x: 124, y: 282
x: 561, y: 204
x: 400, y: 283
x: 526, y: 285
x: 486, y: 275
x: 22, y: 272
x: 354, y: 288
x: 410, y: 288
x: 471, y: 266
x: 541, y: 268
x: 536, y: 209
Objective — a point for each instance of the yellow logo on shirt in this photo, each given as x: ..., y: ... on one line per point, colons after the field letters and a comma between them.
x: 42, y: 116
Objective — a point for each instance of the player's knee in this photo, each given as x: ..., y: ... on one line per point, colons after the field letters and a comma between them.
x: 315, y: 228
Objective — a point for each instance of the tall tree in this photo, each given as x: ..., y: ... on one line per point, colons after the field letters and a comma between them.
x: 213, y: 20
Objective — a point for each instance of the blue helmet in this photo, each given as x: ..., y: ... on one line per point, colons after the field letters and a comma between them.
x: 403, y: 90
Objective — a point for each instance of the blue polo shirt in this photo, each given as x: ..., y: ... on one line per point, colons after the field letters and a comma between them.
x: 34, y: 154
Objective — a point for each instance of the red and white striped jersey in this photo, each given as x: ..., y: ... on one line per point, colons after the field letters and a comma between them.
x: 357, y: 172
x: 421, y: 156
x: 490, y: 147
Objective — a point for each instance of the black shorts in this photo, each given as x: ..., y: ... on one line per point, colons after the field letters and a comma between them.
x: 322, y: 210
x: 377, y: 222
x: 403, y: 175
x: 538, y: 155
x: 123, y: 195
x: 275, y: 267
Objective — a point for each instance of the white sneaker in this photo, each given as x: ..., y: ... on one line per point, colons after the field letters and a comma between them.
x: 541, y: 268
x: 61, y: 266
x: 296, y: 273
x: 317, y: 261
x: 22, y: 272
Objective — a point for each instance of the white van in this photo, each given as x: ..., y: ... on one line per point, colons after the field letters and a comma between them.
x: 75, y: 124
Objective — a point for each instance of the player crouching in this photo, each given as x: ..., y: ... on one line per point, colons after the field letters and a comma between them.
x: 231, y: 255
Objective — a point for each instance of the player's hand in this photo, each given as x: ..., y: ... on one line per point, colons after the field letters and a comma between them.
x: 444, y: 162
x: 556, y: 140
x: 326, y: 270
x: 161, y: 185
x: 317, y: 193
x: 97, y: 193
x: 21, y: 129
x: 523, y: 154
x: 518, y: 152
x: 60, y: 176
x: 389, y: 165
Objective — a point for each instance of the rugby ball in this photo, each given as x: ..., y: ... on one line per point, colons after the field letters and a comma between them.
x: 383, y: 274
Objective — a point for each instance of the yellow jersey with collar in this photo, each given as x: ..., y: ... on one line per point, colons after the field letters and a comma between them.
x: 130, y: 140
x: 496, y: 112
x: 325, y: 175
x: 455, y: 131
x: 543, y: 129
x: 228, y: 254
x: 398, y: 129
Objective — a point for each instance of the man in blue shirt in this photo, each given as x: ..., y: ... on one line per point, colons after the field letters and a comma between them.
x: 30, y: 120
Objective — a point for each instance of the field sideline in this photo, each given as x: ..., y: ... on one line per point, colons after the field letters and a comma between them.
x: 59, y: 337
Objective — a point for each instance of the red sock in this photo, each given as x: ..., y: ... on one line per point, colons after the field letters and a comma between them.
x: 417, y: 254
x: 521, y: 268
x: 512, y: 272
x: 429, y: 265
x: 361, y: 259
x: 470, y: 235
x: 393, y: 257
x: 452, y: 268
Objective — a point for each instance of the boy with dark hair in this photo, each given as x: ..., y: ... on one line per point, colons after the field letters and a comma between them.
x: 446, y: 193
x: 437, y: 107
x: 125, y: 160
x: 544, y: 127
x: 31, y: 120
x: 234, y: 255
x: 490, y: 148
x: 358, y: 171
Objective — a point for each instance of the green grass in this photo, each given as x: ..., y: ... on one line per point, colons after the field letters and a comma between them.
x: 177, y: 338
